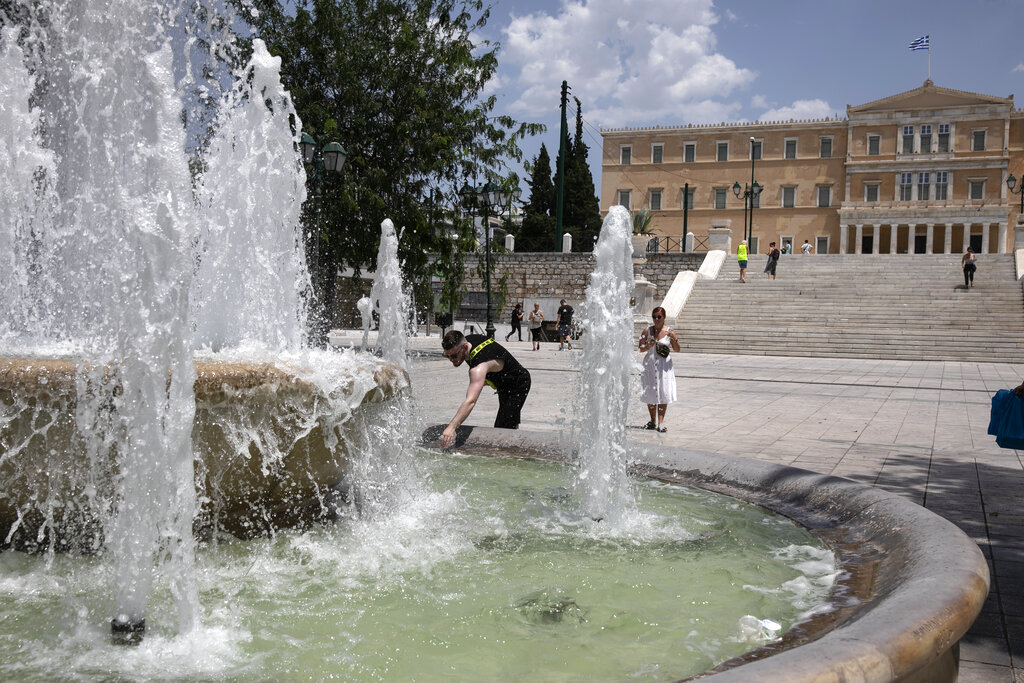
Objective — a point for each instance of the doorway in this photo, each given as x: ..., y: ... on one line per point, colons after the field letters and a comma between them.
x: 920, y: 244
x: 975, y: 244
x: 867, y: 244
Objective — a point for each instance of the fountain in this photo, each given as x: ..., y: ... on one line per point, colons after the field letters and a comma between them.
x: 140, y: 361
x: 130, y: 422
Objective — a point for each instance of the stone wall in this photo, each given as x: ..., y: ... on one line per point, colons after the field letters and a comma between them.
x: 531, y: 276
x: 547, y: 275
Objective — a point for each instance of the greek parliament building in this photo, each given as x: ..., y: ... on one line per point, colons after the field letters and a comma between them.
x: 923, y: 171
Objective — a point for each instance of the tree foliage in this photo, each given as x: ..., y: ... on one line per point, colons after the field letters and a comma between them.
x: 399, y: 84
x: 581, y: 215
x: 537, y: 232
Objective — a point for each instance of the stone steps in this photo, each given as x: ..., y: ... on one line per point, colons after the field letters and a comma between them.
x: 860, y: 306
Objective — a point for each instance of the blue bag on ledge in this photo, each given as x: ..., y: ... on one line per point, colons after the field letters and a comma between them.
x: 1006, y: 421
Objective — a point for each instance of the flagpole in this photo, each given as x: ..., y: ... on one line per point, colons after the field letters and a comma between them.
x: 929, y: 59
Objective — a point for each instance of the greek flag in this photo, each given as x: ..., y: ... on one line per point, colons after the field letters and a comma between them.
x: 920, y: 44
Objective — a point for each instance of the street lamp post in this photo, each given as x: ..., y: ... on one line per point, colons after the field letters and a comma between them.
x: 320, y: 160
x: 750, y: 192
x: 1011, y: 183
x: 489, y: 198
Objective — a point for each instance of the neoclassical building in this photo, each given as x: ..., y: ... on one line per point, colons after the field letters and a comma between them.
x: 922, y: 171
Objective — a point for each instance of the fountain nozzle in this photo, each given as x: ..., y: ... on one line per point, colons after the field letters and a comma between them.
x: 127, y: 631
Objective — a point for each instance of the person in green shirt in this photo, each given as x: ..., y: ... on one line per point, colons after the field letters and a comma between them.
x: 741, y: 256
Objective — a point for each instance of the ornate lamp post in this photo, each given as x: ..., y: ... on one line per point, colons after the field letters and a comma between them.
x: 489, y: 198
x: 748, y: 192
x: 1011, y: 183
x: 320, y: 160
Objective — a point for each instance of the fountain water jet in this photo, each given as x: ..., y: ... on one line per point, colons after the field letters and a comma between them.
x: 108, y: 275
x: 608, y: 365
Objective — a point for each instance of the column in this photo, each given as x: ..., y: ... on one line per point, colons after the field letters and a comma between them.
x: 844, y: 234
x: 984, y: 237
x: 911, y: 236
x: 928, y: 238
x: 1001, y: 244
x: 894, y: 230
x: 860, y: 238
x: 947, y: 242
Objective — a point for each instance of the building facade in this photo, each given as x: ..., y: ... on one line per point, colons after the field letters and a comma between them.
x: 922, y: 171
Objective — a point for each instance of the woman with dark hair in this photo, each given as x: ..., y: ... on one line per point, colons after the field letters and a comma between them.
x: 658, y: 379
x: 969, y: 266
x: 517, y: 321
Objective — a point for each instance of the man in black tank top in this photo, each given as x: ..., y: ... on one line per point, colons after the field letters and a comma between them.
x: 490, y: 363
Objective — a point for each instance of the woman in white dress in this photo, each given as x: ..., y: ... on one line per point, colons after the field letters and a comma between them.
x: 658, y: 379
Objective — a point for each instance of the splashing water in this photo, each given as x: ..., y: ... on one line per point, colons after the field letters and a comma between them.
x: 252, y: 272
x: 608, y: 361
x: 118, y: 247
x: 390, y: 299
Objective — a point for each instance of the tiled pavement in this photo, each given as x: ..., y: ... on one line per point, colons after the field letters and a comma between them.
x: 914, y: 428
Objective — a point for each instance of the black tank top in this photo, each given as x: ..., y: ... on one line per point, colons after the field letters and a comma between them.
x: 485, y: 349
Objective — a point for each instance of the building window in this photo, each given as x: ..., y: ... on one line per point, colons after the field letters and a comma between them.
x: 908, y: 140
x: 688, y: 198
x: 655, y: 200
x: 625, y: 155
x: 906, y: 188
x: 788, y: 197
x: 824, y: 196
x: 720, y: 194
x: 874, y: 145
x: 926, y: 139
x: 755, y: 150
x: 624, y: 198
x: 941, y: 185
x: 790, y: 148
x: 723, y: 151
x: 923, y: 185
x: 977, y: 189
x: 690, y: 152
x: 978, y: 141
x: 825, y: 148
x: 657, y: 153
x: 943, y: 137
x: 871, y: 193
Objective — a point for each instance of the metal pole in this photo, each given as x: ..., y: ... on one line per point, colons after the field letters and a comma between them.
x: 751, y: 238
x: 487, y: 256
x: 559, y: 198
x: 686, y: 208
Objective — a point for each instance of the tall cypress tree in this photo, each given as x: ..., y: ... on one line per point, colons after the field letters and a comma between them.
x: 537, y: 231
x: 582, y: 209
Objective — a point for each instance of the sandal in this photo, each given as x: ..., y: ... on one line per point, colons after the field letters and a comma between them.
x: 650, y: 425
x: 662, y: 429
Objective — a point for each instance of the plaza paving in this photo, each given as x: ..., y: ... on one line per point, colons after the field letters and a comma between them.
x: 914, y: 428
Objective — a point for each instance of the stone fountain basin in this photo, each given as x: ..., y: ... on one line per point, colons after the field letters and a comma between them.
x: 913, y: 582
x: 267, y: 450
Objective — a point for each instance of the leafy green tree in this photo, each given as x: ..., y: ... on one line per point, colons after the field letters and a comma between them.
x: 399, y: 84
x: 538, y: 229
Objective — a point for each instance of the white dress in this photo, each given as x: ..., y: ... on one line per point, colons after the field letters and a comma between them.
x: 657, y: 379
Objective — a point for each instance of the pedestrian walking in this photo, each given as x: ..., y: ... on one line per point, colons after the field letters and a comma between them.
x: 517, y: 321
x: 536, y: 321
x: 741, y: 258
x: 968, y: 263
x: 773, y: 260
x: 806, y: 248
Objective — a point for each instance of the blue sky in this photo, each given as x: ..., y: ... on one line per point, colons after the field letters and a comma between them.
x: 637, y: 62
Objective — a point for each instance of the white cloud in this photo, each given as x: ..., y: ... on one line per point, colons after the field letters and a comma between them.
x: 799, y: 110
x: 1019, y: 67
x: 629, y: 62
x: 759, y: 102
